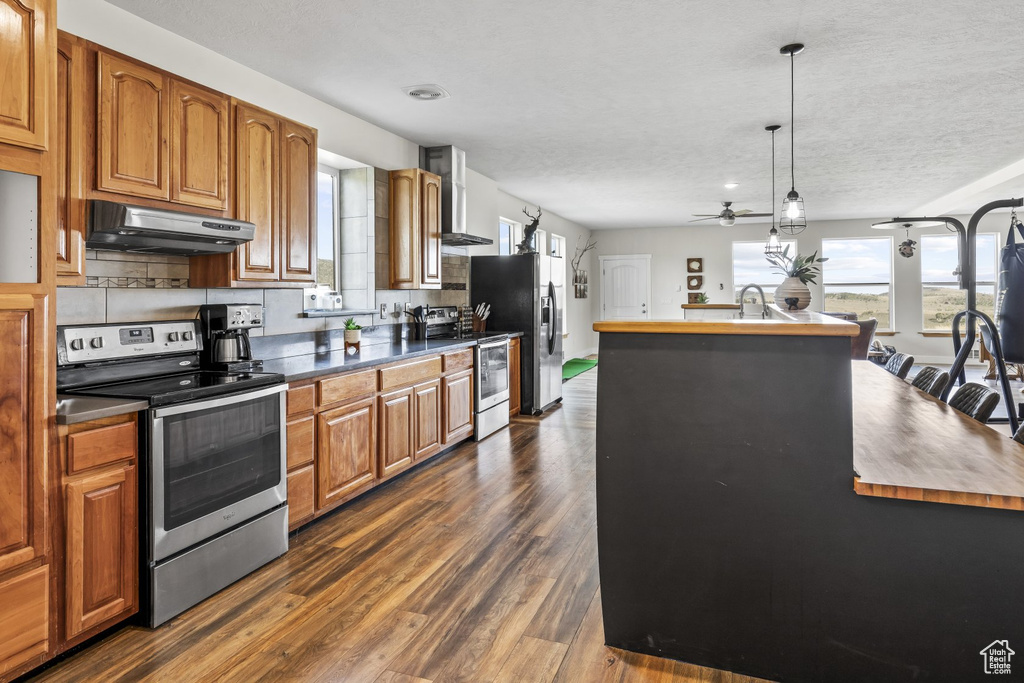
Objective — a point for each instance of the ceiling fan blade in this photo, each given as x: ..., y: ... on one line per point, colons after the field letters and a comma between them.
x: 749, y: 214
x: 704, y: 219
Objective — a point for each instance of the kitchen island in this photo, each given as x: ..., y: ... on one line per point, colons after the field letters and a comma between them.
x: 734, y: 531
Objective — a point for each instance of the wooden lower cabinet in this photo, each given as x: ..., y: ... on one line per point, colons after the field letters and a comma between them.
x: 301, y: 500
x: 396, y: 431
x: 458, y: 406
x: 346, y: 451
x: 25, y: 627
x: 100, y: 583
x: 426, y: 400
x: 515, y: 395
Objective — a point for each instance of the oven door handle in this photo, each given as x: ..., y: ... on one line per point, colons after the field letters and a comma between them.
x: 218, y: 402
x: 493, y: 345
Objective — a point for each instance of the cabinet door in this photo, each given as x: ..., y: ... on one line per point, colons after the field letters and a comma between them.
x: 458, y: 406
x: 346, y: 451
x: 132, y: 129
x: 102, y: 540
x: 515, y: 399
x: 430, y: 231
x: 396, y: 431
x: 25, y: 626
x: 25, y: 49
x: 23, y: 345
x: 300, y: 497
x: 200, y: 160
x: 67, y: 158
x: 298, y: 200
x: 427, y: 410
x: 404, y: 212
x: 258, y: 191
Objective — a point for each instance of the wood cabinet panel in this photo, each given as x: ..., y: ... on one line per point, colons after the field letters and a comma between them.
x: 427, y: 411
x: 515, y: 396
x: 258, y: 191
x: 430, y: 231
x: 301, y: 401
x: 458, y: 406
x: 404, y: 239
x: 132, y: 129
x: 102, y: 446
x: 458, y: 360
x: 298, y: 185
x: 300, y: 442
x: 199, y: 146
x: 346, y: 387
x: 23, y: 358
x: 101, y: 529
x: 396, y: 431
x: 24, y: 629
x: 67, y: 162
x: 300, y: 497
x: 27, y: 30
x: 346, y: 451
x: 410, y: 373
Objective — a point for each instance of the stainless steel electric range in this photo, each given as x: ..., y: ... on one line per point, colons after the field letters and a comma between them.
x: 212, y: 456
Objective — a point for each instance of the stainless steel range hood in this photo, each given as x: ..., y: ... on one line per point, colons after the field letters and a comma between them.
x: 450, y: 163
x: 126, y: 227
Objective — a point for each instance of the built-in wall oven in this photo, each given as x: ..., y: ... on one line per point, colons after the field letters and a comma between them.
x: 491, y: 386
x: 212, y: 456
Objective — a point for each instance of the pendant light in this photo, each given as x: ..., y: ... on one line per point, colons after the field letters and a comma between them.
x: 773, y: 246
x: 793, y: 219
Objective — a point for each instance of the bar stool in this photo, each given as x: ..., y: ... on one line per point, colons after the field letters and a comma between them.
x: 975, y: 400
x: 1019, y: 435
x: 900, y: 364
x: 860, y: 344
x: 931, y: 380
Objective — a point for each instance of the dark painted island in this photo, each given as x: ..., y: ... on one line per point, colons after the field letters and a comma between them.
x: 734, y: 531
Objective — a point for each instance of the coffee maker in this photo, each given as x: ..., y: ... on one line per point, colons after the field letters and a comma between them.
x: 226, y: 336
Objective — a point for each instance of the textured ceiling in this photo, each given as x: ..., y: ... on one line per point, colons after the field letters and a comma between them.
x: 617, y: 113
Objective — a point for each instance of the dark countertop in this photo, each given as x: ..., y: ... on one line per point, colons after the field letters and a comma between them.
x: 74, y: 409
x: 295, y: 368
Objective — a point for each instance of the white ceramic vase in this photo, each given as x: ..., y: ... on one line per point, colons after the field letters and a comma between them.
x: 792, y: 288
x: 352, y: 336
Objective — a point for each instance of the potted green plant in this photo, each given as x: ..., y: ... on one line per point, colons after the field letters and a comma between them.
x: 353, y: 331
x: 794, y: 293
x: 703, y: 298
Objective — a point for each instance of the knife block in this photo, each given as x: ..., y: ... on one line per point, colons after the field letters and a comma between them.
x: 479, y: 324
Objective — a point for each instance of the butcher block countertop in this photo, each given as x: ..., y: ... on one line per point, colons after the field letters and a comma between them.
x: 780, y: 323
x: 912, y: 446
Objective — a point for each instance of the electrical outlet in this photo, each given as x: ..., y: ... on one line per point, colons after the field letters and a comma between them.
x: 383, y: 311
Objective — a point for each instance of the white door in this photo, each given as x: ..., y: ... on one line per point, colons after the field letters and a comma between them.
x: 625, y: 287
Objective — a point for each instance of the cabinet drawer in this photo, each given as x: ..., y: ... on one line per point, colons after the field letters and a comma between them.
x: 300, y: 496
x: 301, y: 401
x: 300, y: 442
x: 101, y: 446
x: 25, y: 626
x: 458, y: 360
x: 345, y: 387
x: 410, y: 373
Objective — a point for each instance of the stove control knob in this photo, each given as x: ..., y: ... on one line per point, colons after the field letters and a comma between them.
x: 77, y: 344
x: 173, y: 336
x: 187, y: 336
x: 96, y: 342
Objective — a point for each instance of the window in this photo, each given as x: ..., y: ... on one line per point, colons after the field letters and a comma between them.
x: 510, y: 234
x: 540, y: 241
x: 857, y: 278
x: 327, y: 181
x: 750, y: 266
x: 557, y: 246
x: 941, y: 298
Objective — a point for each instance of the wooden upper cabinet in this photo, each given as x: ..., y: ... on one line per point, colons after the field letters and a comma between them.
x: 23, y: 354
x: 199, y: 146
x: 67, y: 160
x: 132, y: 127
x: 404, y: 211
x: 27, y: 37
x: 258, y: 191
x: 430, y: 231
x: 298, y: 184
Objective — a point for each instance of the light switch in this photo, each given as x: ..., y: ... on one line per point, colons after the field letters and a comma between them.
x: 383, y: 311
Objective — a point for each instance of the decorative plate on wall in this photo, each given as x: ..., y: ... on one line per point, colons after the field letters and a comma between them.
x: 691, y: 298
x: 694, y: 265
x: 694, y: 281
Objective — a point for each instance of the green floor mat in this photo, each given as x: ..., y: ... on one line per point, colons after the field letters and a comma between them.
x: 576, y: 366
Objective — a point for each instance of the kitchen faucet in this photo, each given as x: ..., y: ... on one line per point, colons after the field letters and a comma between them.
x: 764, y: 306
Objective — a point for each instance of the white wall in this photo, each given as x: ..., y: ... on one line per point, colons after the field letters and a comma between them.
x: 670, y: 247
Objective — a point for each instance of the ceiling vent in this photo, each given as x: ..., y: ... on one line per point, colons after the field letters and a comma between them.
x: 429, y: 91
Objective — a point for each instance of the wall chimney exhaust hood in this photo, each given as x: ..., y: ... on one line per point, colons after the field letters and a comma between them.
x: 450, y: 163
x: 125, y: 227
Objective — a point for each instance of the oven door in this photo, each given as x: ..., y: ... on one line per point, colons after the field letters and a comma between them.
x: 213, y: 465
x: 491, y: 374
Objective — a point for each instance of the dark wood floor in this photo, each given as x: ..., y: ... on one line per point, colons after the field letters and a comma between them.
x: 482, y: 567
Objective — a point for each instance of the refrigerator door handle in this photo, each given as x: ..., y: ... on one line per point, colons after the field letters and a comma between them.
x: 553, y: 327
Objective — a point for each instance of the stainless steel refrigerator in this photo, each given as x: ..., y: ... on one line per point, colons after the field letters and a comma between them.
x: 527, y: 294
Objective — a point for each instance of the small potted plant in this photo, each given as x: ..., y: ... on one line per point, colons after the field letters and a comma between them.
x: 793, y: 293
x: 353, y: 331
x: 703, y: 298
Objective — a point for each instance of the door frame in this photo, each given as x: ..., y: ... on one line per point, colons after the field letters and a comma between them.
x: 608, y: 257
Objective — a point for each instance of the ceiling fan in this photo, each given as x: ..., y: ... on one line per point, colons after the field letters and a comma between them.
x: 728, y: 216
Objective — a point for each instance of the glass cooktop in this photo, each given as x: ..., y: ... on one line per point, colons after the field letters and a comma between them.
x: 183, y: 387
